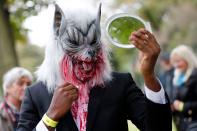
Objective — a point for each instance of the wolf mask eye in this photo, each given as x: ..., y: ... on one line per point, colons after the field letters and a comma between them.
x: 73, y: 42
x: 94, y: 41
x: 74, y: 34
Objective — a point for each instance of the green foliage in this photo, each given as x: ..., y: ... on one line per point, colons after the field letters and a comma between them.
x: 21, y: 9
x: 123, y: 58
x: 30, y: 56
x: 179, y: 28
x: 155, y: 10
x: 12, y: 15
x: 154, y: 14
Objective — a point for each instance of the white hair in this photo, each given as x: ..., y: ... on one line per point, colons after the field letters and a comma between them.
x: 13, y: 75
x: 187, y: 54
x: 49, y: 71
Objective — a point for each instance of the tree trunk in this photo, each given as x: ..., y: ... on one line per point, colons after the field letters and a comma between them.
x: 8, y: 57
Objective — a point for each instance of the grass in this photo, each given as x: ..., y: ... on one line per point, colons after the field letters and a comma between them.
x: 132, y: 127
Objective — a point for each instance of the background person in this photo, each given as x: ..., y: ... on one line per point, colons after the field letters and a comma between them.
x: 167, y: 75
x: 185, y: 84
x: 14, y: 83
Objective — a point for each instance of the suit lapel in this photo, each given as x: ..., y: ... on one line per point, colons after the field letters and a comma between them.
x: 71, y: 122
x: 93, y: 105
x: 67, y: 123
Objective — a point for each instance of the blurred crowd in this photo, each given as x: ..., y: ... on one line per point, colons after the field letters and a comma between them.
x: 178, y: 77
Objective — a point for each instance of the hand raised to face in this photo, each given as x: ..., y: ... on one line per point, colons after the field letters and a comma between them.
x: 62, y: 100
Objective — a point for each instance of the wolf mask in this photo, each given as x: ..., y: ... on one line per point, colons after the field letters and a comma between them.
x: 75, y: 53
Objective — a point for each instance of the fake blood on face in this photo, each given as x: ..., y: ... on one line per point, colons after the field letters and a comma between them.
x: 84, y: 70
x: 81, y: 71
x: 84, y: 73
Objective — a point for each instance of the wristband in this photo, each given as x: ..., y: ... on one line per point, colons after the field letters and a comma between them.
x: 49, y: 122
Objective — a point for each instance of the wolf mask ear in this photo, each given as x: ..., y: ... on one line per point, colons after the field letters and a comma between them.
x: 58, y: 16
x: 98, y: 19
x: 99, y: 13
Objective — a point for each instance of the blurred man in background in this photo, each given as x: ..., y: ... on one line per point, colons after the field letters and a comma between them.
x: 14, y: 83
x: 167, y: 75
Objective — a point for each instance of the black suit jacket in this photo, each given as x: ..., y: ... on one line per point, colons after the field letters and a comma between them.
x: 187, y: 93
x: 108, y: 110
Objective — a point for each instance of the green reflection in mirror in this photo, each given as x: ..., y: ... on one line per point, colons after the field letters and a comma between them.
x: 121, y: 28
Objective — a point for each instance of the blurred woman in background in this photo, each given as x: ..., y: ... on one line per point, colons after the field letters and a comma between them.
x: 14, y: 83
x: 185, y: 84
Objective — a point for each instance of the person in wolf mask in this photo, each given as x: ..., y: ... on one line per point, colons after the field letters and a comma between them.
x: 78, y: 91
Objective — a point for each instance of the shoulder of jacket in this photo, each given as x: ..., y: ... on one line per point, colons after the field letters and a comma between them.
x: 194, y: 74
x: 38, y: 86
x: 121, y: 74
x: 3, y: 113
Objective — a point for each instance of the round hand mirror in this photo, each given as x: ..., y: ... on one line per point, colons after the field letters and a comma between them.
x: 120, y: 26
